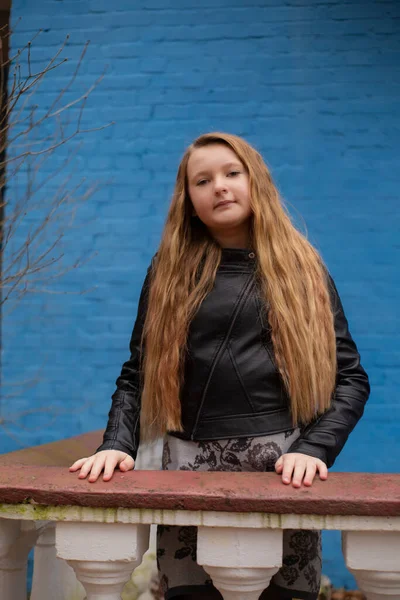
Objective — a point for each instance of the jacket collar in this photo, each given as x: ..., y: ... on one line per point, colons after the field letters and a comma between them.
x: 237, y: 256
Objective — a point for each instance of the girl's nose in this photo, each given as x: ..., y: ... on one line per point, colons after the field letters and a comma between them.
x: 220, y: 185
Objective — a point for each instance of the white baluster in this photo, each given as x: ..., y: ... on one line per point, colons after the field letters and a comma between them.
x: 53, y: 578
x: 17, y: 538
x: 374, y: 559
x: 103, y: 555
x: 240, y: 561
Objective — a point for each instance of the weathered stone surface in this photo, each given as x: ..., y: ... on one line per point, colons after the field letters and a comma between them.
x: 342, y: 494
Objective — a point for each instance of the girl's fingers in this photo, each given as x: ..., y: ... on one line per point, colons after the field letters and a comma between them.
x: 107, y: 460
x: 97, y: 467
x: 86, y: 467
x: 279, y: 465
x: 288, y: 466
x: 127, y: 464
x: 299, y: 470
x: 77, y: 464
x: 109, y: 468
x: 322, y: 469
x: 311, y: 470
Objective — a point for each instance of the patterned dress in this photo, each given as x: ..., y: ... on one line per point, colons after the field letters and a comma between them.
x: 300, y: 574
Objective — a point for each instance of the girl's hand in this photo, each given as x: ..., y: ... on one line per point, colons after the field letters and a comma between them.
x: 106, y: 460
x: 303, y: 468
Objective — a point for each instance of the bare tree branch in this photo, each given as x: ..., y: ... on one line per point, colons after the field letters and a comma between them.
x: 28, y: 152
x: 39, y: 197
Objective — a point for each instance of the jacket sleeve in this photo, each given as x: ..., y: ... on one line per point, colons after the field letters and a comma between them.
x: 123, y: 427
x: 325, y: 437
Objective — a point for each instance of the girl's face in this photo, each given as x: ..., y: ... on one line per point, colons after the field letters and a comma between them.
x: 218, y: 186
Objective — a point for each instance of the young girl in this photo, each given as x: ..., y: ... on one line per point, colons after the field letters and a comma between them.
x: 241, y: 356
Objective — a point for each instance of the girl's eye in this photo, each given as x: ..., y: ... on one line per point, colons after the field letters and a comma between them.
x: 230, y: 174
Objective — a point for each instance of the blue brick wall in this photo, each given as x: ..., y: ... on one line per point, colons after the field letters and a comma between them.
x: 314, y: 85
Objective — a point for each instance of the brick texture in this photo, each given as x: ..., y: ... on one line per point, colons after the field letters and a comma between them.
x: 313, y: 84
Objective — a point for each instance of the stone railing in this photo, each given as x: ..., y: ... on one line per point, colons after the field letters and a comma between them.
x: 101, y: 530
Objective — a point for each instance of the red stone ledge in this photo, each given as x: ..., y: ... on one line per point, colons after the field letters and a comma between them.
x: 363, y: 494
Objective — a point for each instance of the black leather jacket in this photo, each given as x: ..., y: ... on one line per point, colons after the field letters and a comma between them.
x: 231, y: 386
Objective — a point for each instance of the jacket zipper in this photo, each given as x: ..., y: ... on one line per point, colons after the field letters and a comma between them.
x: 245, y: 292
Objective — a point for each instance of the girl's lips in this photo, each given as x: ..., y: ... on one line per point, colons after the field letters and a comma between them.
x: 224, y: 203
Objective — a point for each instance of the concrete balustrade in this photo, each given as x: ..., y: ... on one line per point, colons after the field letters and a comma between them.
x: 53, y: 578
x: 374, y: 559
x: 17, y: 538
x: 102, y: 530
x: 240, y: 560
x: 103, y: 556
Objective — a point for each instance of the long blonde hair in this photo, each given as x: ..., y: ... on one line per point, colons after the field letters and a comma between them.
x: 292, y: 280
